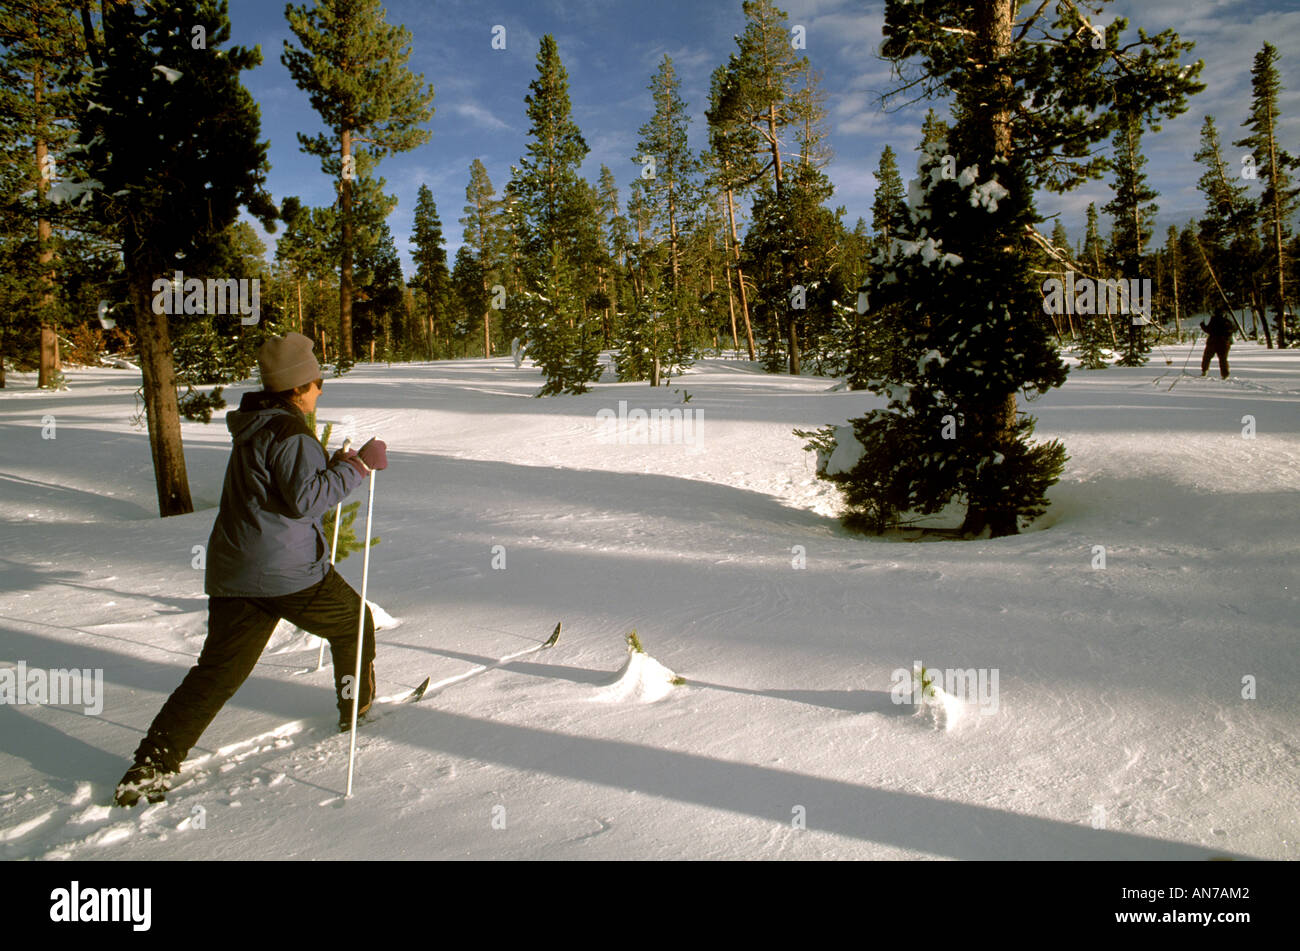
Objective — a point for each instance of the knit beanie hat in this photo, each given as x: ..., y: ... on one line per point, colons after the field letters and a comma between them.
x: 286, y: 362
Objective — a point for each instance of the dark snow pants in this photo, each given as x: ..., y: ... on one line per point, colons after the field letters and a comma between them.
x: 1216, y: 346
x: 238, y: 631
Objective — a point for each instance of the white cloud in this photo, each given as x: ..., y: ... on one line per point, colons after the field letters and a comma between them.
x: 480, y: 116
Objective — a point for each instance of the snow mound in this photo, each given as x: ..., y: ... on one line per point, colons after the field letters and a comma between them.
x: 642, y: 680
x: 847, y: 452
x: 383, y: 620
x: 945, y: 710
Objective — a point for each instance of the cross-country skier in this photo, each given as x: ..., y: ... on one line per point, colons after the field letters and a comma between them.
x: 267, y: 559
x: 1218, y: 338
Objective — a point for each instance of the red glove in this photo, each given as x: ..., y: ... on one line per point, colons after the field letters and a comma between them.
x: 374, y: 454
x: 343, y: 455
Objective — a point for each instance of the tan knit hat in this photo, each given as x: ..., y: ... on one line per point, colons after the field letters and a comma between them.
x: 286, y: 362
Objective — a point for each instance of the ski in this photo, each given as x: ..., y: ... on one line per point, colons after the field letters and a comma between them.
x: 499, y: 662
x: 278, y: 737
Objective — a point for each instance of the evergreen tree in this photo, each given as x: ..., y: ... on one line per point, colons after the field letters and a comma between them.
x: 761, y: 91
x: 1098, y: 330
x: 732, y: 170
x: 150, y: 79
x: 616, y: 241
x: 432, y: 279
x: 306, y: 252
x: 934, y: 130
x: 952, y: 431
x: 483, y: 226
x: 380, y: 302
x: 1227, y: 231
x: 550, y: 198
x: 670, y: 172
x: 218, y: 348
x: 889, y: 207
x: 1133, y: 212
x: 352, y: 64
x: 42, y: 61
x: 1272, y: 165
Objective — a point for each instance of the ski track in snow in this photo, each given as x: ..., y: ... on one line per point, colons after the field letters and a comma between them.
x: 1121, y: 730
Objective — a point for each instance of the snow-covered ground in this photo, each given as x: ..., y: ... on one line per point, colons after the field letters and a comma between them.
x: 1116, y: 726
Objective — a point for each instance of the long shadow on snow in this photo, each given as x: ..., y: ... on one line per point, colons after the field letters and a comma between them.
x: 901, y: 819
x: 52, y: 751
x: 905, y: 820
x: 16, y: 576
x: 850, y: 701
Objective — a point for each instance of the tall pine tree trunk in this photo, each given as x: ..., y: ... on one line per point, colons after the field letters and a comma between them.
x: 740, y: 276
x: 159, y: 388
x: 49, y: 342
x: 995, y: 421
x: 731, y: 297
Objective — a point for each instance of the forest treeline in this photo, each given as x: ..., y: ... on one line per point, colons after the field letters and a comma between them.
x: 737, y: 247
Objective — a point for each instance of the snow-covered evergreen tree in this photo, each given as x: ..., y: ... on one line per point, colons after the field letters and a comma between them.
x: 952, y: 294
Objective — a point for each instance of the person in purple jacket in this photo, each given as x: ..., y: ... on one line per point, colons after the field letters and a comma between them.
x: 267, y: 559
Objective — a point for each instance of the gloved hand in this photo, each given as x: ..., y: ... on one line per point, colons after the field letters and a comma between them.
x: 343, y: 455
x: 374, y: 454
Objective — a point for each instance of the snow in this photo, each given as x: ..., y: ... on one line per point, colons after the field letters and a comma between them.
x: 848, y: 450
x: 71, y: 192
x: 642, y: 680
x: 988, y: 195
x: 1120, y: 689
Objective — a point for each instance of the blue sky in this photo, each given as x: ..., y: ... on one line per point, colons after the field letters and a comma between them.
x: 612, y: 47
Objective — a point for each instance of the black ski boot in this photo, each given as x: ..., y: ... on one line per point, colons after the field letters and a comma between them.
x: 143, y: 779
x: 345, y: 718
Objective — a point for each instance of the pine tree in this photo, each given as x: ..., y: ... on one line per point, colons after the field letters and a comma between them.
x: 1133, y: 212
x: 432, y: 279
x: 934, y: 130
x: 153, y: 78
x: 1272, y: 163
x: 353, y: 66
x: 763, y: 76
x: 483, y: 226
x: 1227, y: 231
x: 616, y: 240
x: 550, y: 198
x: 889, y: 207
x: 733, y: 169
x: 1098, y: 330
x: 762, y: 92
x: 380, y: 303
x: 41, y: 62
x: 952, y: 430
x: 670, y: 172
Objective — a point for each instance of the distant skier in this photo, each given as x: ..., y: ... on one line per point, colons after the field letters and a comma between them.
x: 267, y: 559
x: 1218, y: 338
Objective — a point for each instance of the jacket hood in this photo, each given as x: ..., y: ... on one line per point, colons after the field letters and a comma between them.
x: 256, y: 409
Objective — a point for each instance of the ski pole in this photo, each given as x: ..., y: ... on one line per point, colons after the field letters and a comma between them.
x: 361, y: 633
x: 338, y: 515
